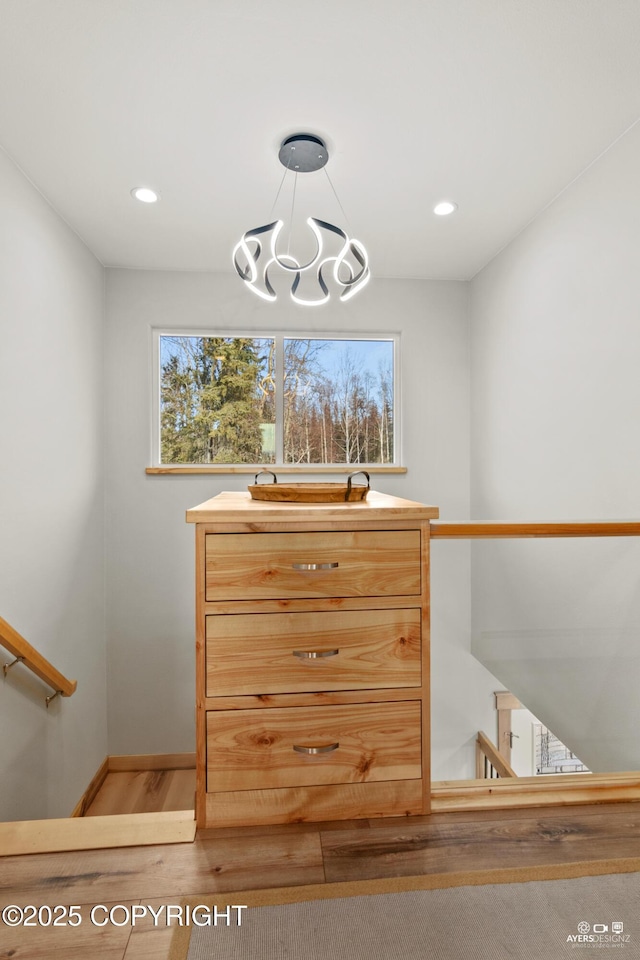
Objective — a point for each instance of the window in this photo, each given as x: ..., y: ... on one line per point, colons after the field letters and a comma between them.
x: 278, y: 399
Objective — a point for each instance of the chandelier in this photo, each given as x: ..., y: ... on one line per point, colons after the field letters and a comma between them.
x: 337, y: 263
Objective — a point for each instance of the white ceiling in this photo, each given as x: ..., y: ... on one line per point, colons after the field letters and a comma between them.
x: 497, y: 104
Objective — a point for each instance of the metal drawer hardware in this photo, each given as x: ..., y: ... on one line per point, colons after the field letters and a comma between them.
x: 315, y: 654
x: 313, y: 751
x: 314, y: 566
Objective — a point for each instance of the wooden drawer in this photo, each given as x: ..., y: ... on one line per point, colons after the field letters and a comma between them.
x: 304, y: 652
x: 249, y: 749
x: 344, y: 563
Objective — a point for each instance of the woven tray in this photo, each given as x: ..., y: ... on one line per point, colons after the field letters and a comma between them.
x: 309, y: 492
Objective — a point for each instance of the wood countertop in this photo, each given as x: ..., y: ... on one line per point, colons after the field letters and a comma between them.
x: 237, y: 506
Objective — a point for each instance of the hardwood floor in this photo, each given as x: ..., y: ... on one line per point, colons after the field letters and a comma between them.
x: 235, y: 859
x: 144, y: 791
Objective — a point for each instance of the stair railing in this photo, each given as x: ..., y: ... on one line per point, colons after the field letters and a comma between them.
x: 443, y: 530
x: 24, y: 653
x: 489, y: 763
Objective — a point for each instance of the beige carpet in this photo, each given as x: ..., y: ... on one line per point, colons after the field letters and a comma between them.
x: 537, y: 913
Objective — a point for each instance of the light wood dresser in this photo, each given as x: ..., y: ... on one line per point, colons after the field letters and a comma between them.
x: 312, y: 659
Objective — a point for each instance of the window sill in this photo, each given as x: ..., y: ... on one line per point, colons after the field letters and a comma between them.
x: 338, y: 468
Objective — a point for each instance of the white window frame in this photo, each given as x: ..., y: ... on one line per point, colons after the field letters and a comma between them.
x: 279, y: 336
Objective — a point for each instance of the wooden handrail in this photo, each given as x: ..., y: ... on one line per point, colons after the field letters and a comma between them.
x: 477, y: 531
x: 485, y: 749
x: 25, y: 653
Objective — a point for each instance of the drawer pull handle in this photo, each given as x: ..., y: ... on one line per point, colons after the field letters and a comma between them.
x: 314, y: 751
x: 315, y: 654
x: 314, y: 566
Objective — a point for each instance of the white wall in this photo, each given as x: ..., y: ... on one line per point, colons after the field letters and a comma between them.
x: 51, y: 501
x: 555, y: 334
x: 555, y: 337
x: 151, y: 548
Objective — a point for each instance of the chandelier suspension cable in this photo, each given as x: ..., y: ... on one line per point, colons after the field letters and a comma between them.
x: 287, y: 167
x: 326, y: 173
x: 293, y: 204
x: 278, y: 193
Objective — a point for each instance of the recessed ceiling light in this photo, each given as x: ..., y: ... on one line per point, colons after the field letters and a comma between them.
x: 444, y: 208
x: 145, y: 194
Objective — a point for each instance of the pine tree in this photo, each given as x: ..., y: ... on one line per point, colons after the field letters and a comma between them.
x: 214, y: 397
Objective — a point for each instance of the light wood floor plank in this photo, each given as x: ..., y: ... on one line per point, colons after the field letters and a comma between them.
x: 449, y: 846
x: 151, y: 940
x: 535, y: 792
x: 287, y: 856
x: 90, y: 833
x: 515, y: 813
x: 144, y: 791
x: 144, y: 873
x: 181, y: 794
x: 118, y: 794
x: 83, y: 942
x: 272, y: 830
x: 149, y: 944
